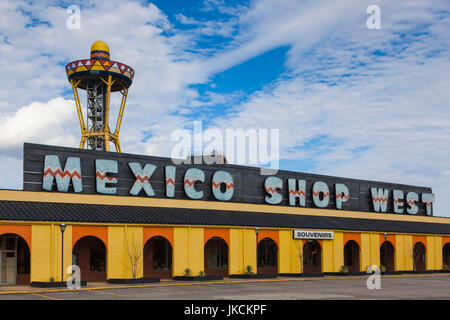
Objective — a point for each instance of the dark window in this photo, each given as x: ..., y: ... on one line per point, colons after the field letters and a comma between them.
x: 217, y: 254
x: 267, y: 253
x: 23, y: 257
x: 162, y: 254
x: 446, y: 254
x: 97, y: 256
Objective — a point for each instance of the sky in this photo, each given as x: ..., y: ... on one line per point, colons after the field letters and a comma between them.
x: 348, y: 101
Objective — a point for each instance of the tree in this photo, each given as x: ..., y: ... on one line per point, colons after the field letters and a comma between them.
x: 134, y: 255
x: 300, y: 255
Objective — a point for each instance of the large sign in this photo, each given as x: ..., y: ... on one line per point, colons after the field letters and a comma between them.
x: 313, y: 235
x: 57, y: 169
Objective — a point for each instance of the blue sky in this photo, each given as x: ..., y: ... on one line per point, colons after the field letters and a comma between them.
x: 348, y: 101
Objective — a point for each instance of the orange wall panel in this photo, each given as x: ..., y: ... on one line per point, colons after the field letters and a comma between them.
x: 352, y: 236
x: 422, y: 239
x: 150, y: 232
x: 272, y: 234
x: 216, y: 232
x: 79, y: 232
x: 20, y: 230
x: 390, y: 238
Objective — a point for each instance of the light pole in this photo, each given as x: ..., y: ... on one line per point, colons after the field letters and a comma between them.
x: 62, y: 227
x: 256, y: 232
x: 385, y: 235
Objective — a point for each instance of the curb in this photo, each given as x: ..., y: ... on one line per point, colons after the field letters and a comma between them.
x: 221, y: 282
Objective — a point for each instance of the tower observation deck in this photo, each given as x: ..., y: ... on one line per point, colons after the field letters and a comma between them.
x: 99, y: 76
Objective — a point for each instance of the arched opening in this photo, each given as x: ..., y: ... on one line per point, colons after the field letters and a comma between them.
x: 216, y: 257
x: 351, y: 256
x: 14, y: 260
x: 158, y: 258
x: 446, y: 255
x: 89, y: 253
x: 387, y: 256
x: 267, y: 256
x: 419, y: 257
x: 312, y: 257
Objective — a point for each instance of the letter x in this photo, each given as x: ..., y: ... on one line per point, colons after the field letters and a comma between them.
x: 142, y: 178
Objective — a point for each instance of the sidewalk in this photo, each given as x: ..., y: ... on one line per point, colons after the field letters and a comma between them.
x: 16, y: 289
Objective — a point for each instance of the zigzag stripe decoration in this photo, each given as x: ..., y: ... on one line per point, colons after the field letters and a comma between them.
x: 398, y: 201
x: 102, y: 167
x: 102, y: 176
x: 270, y: 190
x: 102, y: 65
x: 271, y: 184
x: 380, y: 199
x: 170, y: 181
x: 217, y: 184
x: 318, y: 188
x: 219, y: 178
x: 316, y: 194
x: 342, y: 194
x: 191, y: 176
x: 71, y: 172
x: 189, y: 183
x: 142, y: 176
x: 297, y: 193
x: 412, y: 199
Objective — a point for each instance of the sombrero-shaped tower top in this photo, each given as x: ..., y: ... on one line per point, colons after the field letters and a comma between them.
x: 100, y: 65
x: 99, y: 50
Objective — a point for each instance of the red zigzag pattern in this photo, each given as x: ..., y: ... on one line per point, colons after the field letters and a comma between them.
x: 189, y: 182
x: 170, y: 181
x: 62, y: 174
x: 316, y: 194
x: 102, y: 176
x: 297, y: 193
x: 217, y: 185
x: 342, y: 196
x: 376, y: 199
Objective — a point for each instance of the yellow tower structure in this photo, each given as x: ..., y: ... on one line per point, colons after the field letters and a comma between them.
x: 99, y: 76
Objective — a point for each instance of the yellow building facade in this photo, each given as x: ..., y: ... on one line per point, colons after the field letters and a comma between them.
x: 187, y: 242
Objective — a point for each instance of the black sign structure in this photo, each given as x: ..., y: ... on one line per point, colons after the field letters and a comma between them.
x: 59, y: 169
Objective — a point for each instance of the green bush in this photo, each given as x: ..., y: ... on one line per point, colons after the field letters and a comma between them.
x: 248, y: 270
x: 201, y: 273
x: 187, y: 272
x: 343, y: 269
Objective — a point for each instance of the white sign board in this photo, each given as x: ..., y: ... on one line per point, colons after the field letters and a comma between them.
x: 311, y: 234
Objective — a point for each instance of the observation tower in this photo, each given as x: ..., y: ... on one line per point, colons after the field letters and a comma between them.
x: 99, y: 76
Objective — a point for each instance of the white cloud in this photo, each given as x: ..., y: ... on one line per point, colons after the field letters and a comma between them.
x: 379, y: 117
x: 48, y: 123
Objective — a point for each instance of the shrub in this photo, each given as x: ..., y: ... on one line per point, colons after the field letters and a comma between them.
x: 248, y: 270
x: 343, y: 269
x: 187, y: 272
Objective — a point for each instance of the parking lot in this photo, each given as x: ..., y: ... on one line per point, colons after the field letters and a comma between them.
x: 434, y: 286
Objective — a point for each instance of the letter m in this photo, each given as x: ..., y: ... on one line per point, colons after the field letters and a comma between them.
x: 71, y: 172
x: 380, y: 199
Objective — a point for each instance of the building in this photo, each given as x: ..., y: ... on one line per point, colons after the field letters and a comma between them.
x: 218, y: 219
